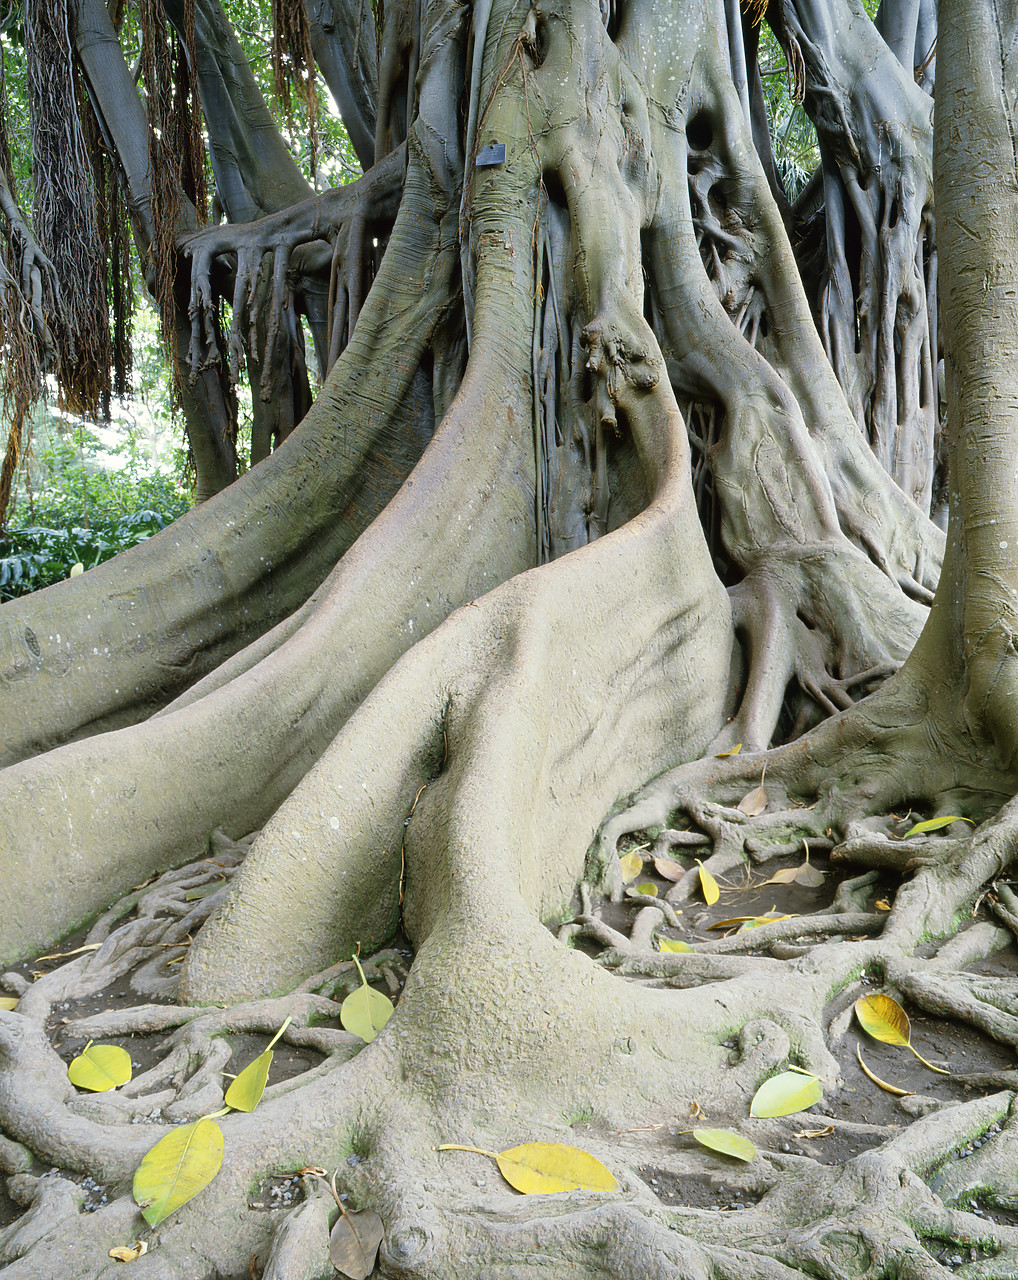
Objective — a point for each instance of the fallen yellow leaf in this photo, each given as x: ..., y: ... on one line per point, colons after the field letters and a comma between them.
x: 128, y: 1253
x: 708, y: 884
x: 882, y: 1084
x: 753, y: 803
x: 539, y: 1167
x: 631, y: 864
x: 882, y: 1017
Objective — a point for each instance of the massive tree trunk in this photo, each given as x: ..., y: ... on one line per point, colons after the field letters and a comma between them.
x: 597, y: 491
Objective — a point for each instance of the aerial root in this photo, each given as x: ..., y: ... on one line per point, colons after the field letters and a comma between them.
x: 835, y: 643
x: 338, y: 216
x: 37, y: 1108
x: 876, y: 1214
x: 1004, y: 904
x: 983, y: 1165
x: 949, y: 880
x: 83, y: 1129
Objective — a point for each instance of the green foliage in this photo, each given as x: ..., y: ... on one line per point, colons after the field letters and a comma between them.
x: 71, y: 487
x: 82, y: 512
x: 336, y: 161
x: 793, y: 137
x: 37, y: 556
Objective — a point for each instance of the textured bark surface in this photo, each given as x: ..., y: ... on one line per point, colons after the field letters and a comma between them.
x: 607, y: 482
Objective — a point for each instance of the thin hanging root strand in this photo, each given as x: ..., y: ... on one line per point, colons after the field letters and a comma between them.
x: 338, y: 216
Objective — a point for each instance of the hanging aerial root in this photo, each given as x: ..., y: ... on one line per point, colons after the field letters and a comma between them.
x: 339, y: 216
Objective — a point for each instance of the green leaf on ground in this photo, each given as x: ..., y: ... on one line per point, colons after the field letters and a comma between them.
x: 725, y: 1141
x: 768, y: 918
x: 365, y: 1011
x: 784, y: 1094
x: 246, y: 1091
x: 671, y: 944
x: 100, y: 1068
x: 935, y: 824
x: 8, y: 1002
x: 177, y: 1168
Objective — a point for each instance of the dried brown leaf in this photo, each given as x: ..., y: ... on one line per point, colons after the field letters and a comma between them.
x: 753, y: 803
x: 354, y: 1242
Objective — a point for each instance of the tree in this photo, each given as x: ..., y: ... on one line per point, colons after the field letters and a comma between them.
x: 605, y: 480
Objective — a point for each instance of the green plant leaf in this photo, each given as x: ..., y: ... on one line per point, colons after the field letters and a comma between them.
x: 246, y: 1091
x: 365, y: 1011
x: 725, y: 1141
x: 935, y: 824
x: 671, y: 944
x: 755, y: 922
x: 354, y: 1242
x: 649, y: 888
x: 177, y: 1168
x: 784, y: 1094
x: 8, y: 1002
x: 100, y: 1067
